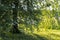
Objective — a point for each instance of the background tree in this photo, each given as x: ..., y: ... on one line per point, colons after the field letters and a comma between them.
x: 29, y: 13
x: 19, y: 9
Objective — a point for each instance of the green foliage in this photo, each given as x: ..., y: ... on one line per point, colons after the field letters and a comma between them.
x: 36, y: 14
x: 31, y: 16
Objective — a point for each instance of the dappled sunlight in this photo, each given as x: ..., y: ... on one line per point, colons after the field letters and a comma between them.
x: 29, y: 19
x: 50, y: 34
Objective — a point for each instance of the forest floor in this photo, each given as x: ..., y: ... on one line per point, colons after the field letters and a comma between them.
x: 39, y: 35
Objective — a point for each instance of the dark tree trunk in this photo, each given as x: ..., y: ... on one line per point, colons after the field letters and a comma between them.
x: 15, y: 24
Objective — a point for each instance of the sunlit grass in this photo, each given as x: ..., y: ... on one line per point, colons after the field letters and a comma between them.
x: 41, y: 34
x: 49, y: 34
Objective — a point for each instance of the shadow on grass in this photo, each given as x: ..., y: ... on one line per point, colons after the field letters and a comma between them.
x: 20, y: 36
x: 40, y: 37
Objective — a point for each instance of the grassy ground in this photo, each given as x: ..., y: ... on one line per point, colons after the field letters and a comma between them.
x: 49, y: 34
x: 36, y: 35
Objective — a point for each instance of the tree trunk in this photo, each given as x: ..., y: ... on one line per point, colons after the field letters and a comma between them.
x: 15, y: 11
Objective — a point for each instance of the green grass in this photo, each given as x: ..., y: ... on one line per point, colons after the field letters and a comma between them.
x: 49, y: 34
x: 43, y: 34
